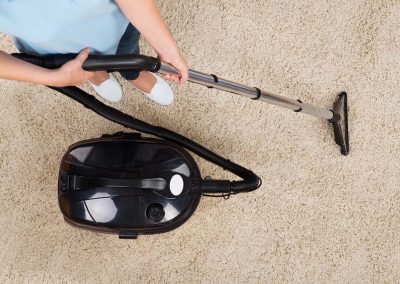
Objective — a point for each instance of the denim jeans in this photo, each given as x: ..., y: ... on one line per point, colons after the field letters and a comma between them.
x: 129, y: 44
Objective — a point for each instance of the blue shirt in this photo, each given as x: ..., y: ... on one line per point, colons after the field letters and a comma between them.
x: 63, y: 26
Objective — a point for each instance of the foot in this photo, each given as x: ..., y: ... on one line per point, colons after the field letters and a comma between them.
x: 99, y: 77
x: 154, y: 87
x: 106, y: 86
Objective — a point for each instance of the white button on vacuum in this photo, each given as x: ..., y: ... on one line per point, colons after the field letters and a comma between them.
x: 176, y: 185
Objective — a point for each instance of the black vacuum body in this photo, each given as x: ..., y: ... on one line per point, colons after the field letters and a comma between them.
x: 128, y: 185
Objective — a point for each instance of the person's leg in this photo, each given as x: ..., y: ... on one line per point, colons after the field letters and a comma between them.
x: 99, y: 77
x: 129, y: 44
x: 153, y: 86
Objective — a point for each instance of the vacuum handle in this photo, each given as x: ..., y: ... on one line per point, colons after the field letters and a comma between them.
x: 97, y: 62
x: 75, y: 182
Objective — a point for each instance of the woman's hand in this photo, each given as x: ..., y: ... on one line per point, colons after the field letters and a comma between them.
x: 72, y: 73
x: 180, y: 64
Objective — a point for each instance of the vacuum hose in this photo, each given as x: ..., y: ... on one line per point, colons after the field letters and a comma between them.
x: 250, y: 180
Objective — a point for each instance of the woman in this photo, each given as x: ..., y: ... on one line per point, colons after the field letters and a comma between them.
x: 89, y: 26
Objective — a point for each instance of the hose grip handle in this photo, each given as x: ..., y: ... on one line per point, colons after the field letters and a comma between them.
x: 111, y: 63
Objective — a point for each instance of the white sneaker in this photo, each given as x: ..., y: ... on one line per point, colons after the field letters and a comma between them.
x: 161, y: 92
x: 109, y: 90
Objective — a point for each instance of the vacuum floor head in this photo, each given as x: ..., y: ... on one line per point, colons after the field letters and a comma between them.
x: 340, y: 123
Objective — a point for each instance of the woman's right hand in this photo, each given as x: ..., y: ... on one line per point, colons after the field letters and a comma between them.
x: 177, y: 61
x: 72, y: 73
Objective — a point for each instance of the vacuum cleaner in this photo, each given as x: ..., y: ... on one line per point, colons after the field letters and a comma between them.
x: 130, y: 185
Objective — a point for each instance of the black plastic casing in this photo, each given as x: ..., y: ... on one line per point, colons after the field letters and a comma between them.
x: 133, y: 211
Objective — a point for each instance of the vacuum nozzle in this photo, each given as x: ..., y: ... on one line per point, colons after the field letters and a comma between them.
x: 340, y: 123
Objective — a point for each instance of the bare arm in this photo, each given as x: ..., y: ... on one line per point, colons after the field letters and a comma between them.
x: 146, y: 17
x: 70, y: 74
x: 14, y: 69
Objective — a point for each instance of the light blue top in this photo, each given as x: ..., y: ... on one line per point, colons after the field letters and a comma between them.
x: 63, y: 26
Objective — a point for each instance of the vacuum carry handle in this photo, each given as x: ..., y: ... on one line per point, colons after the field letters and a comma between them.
x: 75, y: 182
x: 97, y: 62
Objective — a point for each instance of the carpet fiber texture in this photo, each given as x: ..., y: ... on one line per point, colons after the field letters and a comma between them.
x: 319, y: 216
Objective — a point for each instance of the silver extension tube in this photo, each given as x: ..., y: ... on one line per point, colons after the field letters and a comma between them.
x: 250, y: 92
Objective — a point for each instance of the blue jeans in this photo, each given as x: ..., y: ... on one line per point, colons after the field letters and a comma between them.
x: 129, y: 44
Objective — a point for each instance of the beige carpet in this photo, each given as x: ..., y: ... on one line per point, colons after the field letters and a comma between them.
x: 319, y: 217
